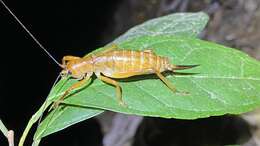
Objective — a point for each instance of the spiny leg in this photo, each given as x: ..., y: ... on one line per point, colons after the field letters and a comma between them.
x: 169, y: 84
x: 118, y: 88
x: 72, y: 87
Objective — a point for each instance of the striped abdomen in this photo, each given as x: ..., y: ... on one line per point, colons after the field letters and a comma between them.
x: 126, y: 63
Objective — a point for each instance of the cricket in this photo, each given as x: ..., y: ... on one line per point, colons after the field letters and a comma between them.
x: 114, y: 63
x: 110, y: 64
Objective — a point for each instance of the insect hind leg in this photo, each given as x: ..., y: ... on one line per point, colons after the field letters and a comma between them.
x: 169, y: 84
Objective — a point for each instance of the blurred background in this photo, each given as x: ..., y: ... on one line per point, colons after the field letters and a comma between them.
x: 78, y: 27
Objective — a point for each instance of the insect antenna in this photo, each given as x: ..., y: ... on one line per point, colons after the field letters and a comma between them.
x: 31, y: 35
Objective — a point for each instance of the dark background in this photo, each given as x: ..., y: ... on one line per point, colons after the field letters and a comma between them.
x: 77, y: 27
x: 64, y: 28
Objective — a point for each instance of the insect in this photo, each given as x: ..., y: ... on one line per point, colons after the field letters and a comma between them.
x: 111, y: 64
x: 108, y: 65
x: 115, y: 63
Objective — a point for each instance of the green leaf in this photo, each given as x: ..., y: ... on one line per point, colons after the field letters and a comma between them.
x: 61, y: 118
x: 228, y: 81
x: 177, y: 24
x: 185, y: 24
x: 181, y: 24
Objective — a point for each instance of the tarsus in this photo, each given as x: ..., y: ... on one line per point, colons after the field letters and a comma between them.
x: 23, y: 26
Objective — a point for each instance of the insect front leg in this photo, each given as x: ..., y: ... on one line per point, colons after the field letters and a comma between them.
x: 118, y: 88
x: 73, y: 87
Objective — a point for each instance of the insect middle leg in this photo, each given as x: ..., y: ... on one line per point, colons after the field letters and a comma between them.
x: 118, y: 88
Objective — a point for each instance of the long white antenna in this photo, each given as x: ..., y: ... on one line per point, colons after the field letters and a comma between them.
x: 41, y: 46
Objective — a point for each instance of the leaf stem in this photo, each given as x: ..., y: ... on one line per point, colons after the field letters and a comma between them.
x: 36, y: 142
x: 3, y: 128
x: 10, y: 137
x: 33, y: 120
x: 38, y: 114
